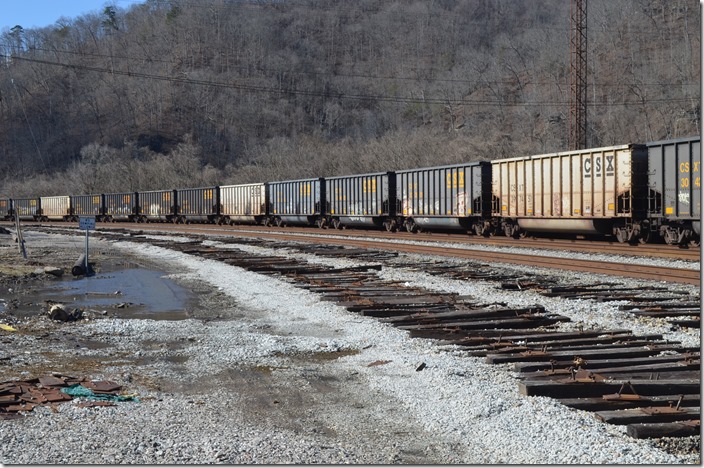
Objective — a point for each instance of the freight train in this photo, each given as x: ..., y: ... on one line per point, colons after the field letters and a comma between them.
x: 635, y: 193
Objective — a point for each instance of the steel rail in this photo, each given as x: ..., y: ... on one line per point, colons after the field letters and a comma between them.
x: 629, y: 270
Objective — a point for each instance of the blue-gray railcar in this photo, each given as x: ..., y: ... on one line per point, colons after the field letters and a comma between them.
x: 197, y: 204
x: 27, y: 209
x: 455, y: 197
x: 297, y: 202
x: 361, y: 200
x: 674, y: 189
x: 6, y: 209
x: 122, y: 206
x: 157, y: 205
x: 87, y: 205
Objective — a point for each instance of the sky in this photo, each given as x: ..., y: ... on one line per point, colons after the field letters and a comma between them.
x: 32, y: 14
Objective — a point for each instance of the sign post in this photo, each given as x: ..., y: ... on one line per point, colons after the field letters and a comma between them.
x: 86, y: 223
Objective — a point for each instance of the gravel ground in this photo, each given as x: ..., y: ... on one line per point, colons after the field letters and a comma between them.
x: 263, y: 372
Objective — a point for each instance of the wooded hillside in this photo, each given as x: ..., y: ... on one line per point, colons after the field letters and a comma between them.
x: 174, y: 93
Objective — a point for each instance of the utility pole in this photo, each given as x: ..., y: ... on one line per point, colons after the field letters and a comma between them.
x: 578, y: 75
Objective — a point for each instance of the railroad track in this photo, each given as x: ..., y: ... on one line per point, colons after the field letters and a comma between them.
x: 688, y: 253
x: 623, y: 269
x: 649, y: 272
x: 648, y: 384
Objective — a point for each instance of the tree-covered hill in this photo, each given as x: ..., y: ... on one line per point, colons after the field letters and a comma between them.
x: 187, y: 92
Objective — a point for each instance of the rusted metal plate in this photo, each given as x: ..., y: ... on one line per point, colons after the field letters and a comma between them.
x: 7, y: 399
x: 102, y: 386
x: 51, y: 381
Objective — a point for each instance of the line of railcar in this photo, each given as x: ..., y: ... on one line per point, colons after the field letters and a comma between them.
x: 635, y: 193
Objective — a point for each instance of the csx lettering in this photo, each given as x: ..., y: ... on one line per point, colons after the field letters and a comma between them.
x: 609, y: 163
x: 684, y: 167
x: 588, y: 167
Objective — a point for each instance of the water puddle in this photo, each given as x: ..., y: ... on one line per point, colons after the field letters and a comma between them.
x: 130, y: 292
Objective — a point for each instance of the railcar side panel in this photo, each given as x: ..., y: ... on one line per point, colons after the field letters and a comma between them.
x: 122, y: 206
x: 56, y: 208
x: 359, y: 200
x: 87, y: 205
x: 445, y: 196
x: 297, y: 201
x: 577, y: 187
x: 244, y: 203
x: 197, y: 204
x: 674, y: 187
x: 157, y: 205
x: 27, y: 209
x: 6, y: 208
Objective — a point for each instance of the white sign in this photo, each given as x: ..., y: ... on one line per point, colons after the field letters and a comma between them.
x: 86, y: 223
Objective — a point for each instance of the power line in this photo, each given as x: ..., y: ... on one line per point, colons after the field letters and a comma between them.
x: 352, y: 75
x: 333, y: 95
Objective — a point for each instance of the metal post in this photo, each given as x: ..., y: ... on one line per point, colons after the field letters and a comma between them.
x: 20, y: 237
x: 87, y: 252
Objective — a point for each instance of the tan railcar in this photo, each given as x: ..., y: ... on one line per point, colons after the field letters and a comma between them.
x: 592, y: 191
x: 56, y: 208
x: 244, y: 203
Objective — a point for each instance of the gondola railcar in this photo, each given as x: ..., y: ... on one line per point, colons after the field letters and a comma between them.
x: 6, y: 209
x: 57, y: 208
x: 297, y: 202
x: 674, y: 189
x: 87, y: 205
x: 197, y: 204
x: 243, y: 204
x: 27, y: 209
x: 592, y: 191
x: 361, y: 200
x: 455, y: 197
x: 123, y: 206
x: 157, y: 205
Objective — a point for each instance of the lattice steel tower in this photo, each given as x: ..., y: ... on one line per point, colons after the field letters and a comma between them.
x: 578, y: 75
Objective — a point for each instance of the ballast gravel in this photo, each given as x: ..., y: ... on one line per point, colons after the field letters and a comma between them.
x: 276, y: 375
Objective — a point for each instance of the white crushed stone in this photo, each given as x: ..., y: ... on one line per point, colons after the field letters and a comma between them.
x: 469, y: 412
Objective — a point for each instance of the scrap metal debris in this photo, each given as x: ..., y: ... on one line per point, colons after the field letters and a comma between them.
x: 24, y: 395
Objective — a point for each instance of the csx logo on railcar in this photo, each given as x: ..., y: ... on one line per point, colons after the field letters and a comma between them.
x: 597, y: 166
x: 684, y: 169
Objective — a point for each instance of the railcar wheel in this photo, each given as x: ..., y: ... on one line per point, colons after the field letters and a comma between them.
x: 670, y: 236
x: 390, y: 226
x: 644, y: 237
x: 411, y: 226
x: 621, y: 235
x: 336, y: 223
x: 280, y: 222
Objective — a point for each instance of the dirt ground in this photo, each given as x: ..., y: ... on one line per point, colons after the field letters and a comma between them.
x: 42, y: 346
